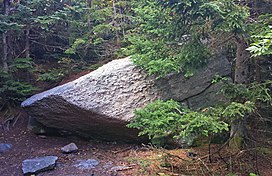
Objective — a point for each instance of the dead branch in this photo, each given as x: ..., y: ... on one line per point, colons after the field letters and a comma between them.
x: 16, y: 119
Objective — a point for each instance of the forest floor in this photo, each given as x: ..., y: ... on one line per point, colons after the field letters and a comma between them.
x: 141, y: 160
x: 133, y: 160
x: 27, y: 145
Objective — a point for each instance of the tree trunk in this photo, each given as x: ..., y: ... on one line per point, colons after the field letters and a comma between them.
x: 5, y: 53
x: 90, y: 4
x: 238, y: 133
x: 238, y: 126
x: 242, y: 62
x: 115, y: 22
x: 6, y: 10
x: 27, y: 44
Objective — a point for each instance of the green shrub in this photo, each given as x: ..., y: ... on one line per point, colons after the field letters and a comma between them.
x: 168, y: 118
x: 15, y: 85
x: 53, y: 75
x: 22, y: 64
x: 12, y: 91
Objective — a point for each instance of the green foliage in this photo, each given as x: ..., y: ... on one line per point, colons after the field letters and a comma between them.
x: 217, y: 78
x: 13, y: 92
x: 170, y: 119
x: 66, y: 66
x: 253, y: 92
x: 199, y: 124
x: 4, y: 26
x: 75, y: 45
x: 25, y: 64
x: 14, y: 86
x: 262, y: 44
x: 227, y: 15
x: 261, y: 35
x: 243, y: 99
x: 54, y: 75
x: 156, y: 118
x: 252, y: 174
x: 172, y: 35
x: 160, y: 57
x: 144, y: 54
x: 236, y: 110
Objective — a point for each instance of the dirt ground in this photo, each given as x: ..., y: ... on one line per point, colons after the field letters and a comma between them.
x: 140, y: 160
x: 27, y: 145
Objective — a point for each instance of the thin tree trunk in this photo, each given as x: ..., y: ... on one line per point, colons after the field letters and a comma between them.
x: 238, y: 126
x: 5, y: 53
x: 115, y: 22
x: 90, y: 4
x: 242, y: 62
x: 27, y: 48
x: 27, y: 44
x: 5, y: 37
x: 239, y: 133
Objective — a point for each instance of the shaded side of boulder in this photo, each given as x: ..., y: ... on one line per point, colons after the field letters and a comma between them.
x: 39, y: 128
x: 64, y: 116
x: 196, y: 91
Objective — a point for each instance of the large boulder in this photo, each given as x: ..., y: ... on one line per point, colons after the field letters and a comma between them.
x: 98, y: 104
x: 102, y: 102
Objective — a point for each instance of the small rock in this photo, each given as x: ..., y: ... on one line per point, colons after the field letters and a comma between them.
x: 87, y: 164
x: 108, y: 165
x: 120, y: 168
x: 37, y: 165
x: 70, y: 148
x: 42, y: 136
x: 191, y: 155
x: 5, y: 147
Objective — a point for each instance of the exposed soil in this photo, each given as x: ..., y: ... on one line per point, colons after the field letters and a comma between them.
x: 27, y: 145
x: 140, y: 160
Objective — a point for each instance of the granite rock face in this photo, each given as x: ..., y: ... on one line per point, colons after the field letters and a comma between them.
x: 98, y: 104
x: 102, y: 102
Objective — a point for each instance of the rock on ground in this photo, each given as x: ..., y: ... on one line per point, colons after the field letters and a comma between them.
x: 37, y: 165
x: 5, y: 147
x: 87, y: 164
x: 101, y: 103
x: 70, y: 148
